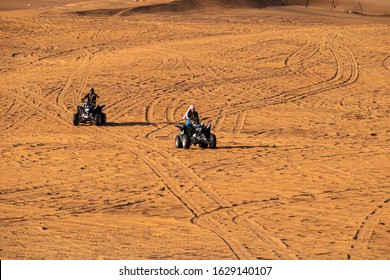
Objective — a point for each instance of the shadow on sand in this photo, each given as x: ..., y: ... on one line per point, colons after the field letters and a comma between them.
x: 128, y: 124
x: 246, y: 147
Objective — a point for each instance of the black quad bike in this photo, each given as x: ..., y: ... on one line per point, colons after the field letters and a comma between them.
x: 86, y: 113
x: 195, y: 134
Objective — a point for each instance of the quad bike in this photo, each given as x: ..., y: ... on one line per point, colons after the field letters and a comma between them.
x: 195, y: 134
x: 86, y: 113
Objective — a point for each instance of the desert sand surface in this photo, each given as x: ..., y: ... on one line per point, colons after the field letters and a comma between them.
x: 297, y: 97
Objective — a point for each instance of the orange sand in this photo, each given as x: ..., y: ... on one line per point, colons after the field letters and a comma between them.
x: 298, y: 98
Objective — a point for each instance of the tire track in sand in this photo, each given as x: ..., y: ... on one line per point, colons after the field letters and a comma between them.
x: 194, y: 197
x: 346, y: 73
x: 365, y: 231
x: 246, y: 229
x: 69, y: 80
x: 197, y: 202
x: 15, y: 117
x: 386, y: 63
x: 194, y: 194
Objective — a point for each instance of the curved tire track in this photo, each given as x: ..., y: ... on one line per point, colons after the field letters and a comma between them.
x: 365, y: 231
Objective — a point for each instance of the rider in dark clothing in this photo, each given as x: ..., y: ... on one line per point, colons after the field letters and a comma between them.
x: 193, y: 116
x: 91, y: 96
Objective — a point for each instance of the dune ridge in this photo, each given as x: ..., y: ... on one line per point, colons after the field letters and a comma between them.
x: 123, y: 7
x: 364, y: 7
x: 188, y: 5
x: 184, y: 5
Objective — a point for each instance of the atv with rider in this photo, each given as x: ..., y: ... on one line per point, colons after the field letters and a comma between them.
x: 87, y: 113
x: 195, y: 133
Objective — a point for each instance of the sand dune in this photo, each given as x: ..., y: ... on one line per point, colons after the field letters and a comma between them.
x: 351, y: 6
x: 298, y: 98
x: 367, y: 7
x: 126, y: 7
x: 187, y: 5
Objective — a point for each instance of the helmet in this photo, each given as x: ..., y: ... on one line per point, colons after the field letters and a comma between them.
x: 91, y: 89
x: 192, y: 107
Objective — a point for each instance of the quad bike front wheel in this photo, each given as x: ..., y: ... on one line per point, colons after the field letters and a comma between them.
x: 103, y: 118
x: 186, y: 141
x: 98, y: 119
x: 178, y: 142
x: 75, y: 119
